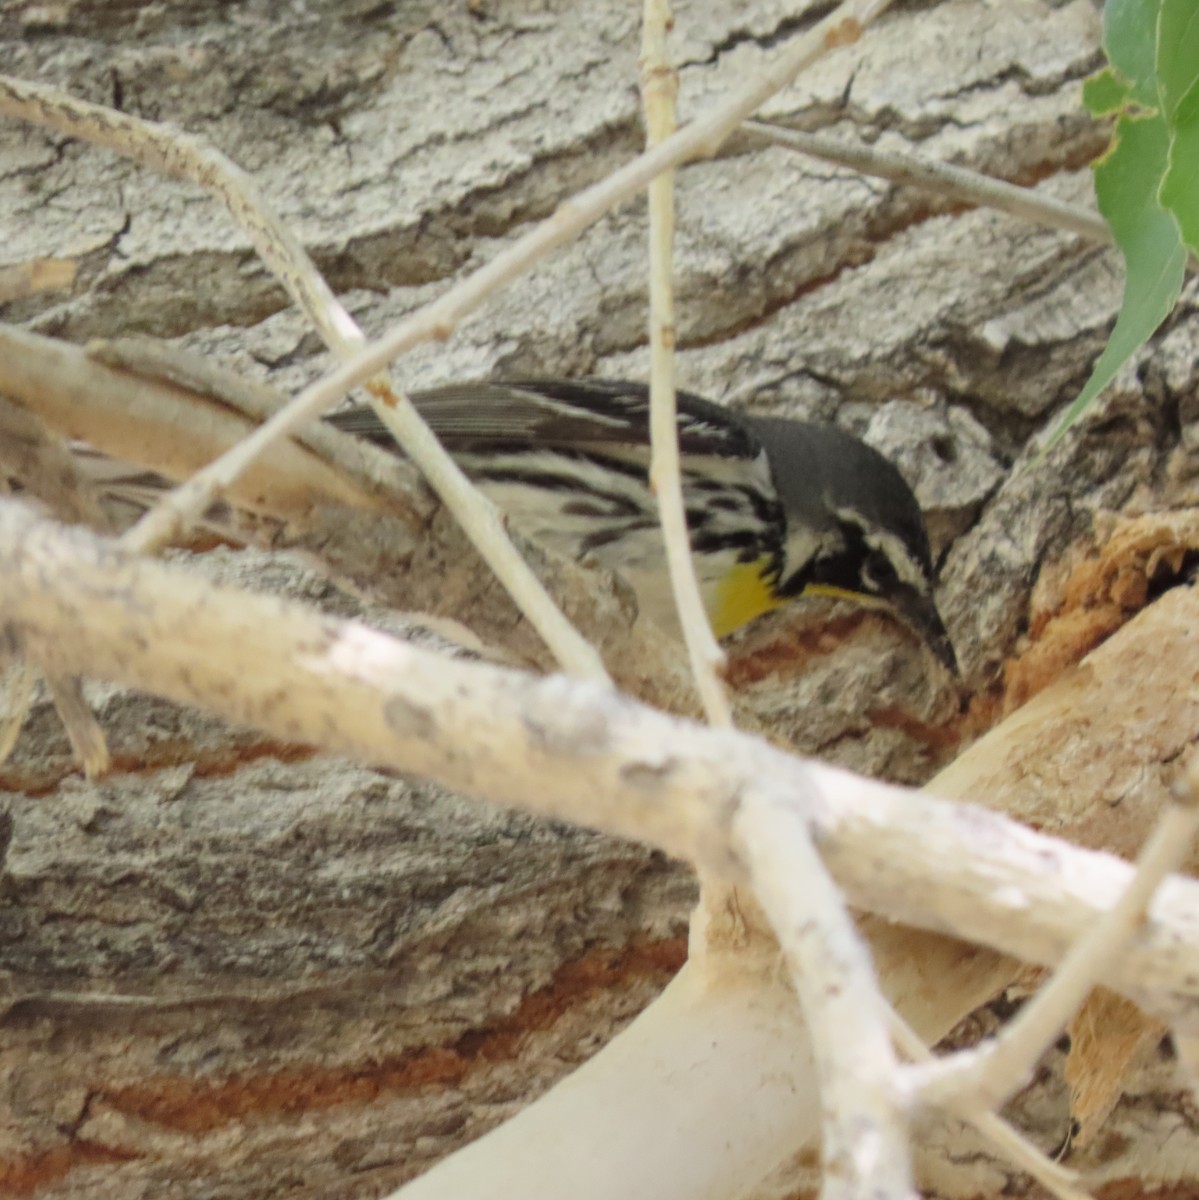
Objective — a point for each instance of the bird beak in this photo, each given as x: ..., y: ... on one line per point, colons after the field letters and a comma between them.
x: 915, y: 609
x: 919, y: 613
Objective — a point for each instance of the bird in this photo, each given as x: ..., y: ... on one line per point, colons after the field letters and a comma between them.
x: 777, y: 508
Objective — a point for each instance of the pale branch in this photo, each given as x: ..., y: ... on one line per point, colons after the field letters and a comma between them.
x: 659, y: 90
x: 34, y: 458
x: 865, y: 1135
x: 83, y: 730
x: 572, y: 750
x: 376, y: 472
x: 37, y: 275
x: 988, y: 1075
x: 138, y: 416
x: 174, y: 152
x: 659, y: 87
x: 1055, y: 1178
x: 944, y: 179
x: 730, y: 1020
x: 16, y: 691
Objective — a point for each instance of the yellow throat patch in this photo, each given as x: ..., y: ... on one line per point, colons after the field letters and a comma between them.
x: 746, y: 592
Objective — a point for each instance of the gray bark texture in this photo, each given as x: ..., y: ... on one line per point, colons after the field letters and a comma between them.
x: 235, y: 968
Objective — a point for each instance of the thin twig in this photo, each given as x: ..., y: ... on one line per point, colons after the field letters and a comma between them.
x: 83, y: 730
x: 122, y: 398
x: 955, y: 183
x: 866, y: 1142
x: 174, y: 152
x: 16, y: 688
x: 989, y: 1074
x: 32, y: 455
x: 659, y: 86
x: 1009, y: 1141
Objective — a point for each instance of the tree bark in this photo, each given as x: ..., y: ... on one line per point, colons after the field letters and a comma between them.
x: 235, y: 967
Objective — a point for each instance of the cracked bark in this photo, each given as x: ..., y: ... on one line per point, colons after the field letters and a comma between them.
x: 236, y: 967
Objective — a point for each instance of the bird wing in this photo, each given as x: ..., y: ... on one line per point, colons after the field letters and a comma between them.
x: 581, y: 413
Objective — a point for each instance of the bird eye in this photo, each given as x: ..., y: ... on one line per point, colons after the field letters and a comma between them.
x: 879, y: 573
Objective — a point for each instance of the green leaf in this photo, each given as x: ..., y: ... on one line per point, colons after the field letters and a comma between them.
x: 1126, y: 184
x: 1130, y: 40
x: 1105, y: 93
x: 1178, y: 54
x: 1178, y: 87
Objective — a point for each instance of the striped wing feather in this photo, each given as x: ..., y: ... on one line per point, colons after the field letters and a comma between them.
x: 595, y: 413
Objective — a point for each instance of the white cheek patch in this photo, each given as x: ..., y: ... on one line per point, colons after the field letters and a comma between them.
x: 906, y: 567
x: 800, y: 545
x: 893, y: 548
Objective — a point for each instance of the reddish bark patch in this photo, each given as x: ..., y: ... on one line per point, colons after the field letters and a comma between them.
x: 1138, y: 1189
x: 170, y: 752
x: 28, y: 1174
x: 198, y: 1106
x: 935, y: 737
x: 1098, y: 596
x: 789, y: 651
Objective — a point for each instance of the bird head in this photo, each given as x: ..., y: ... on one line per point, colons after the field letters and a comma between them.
x: 854, y: 528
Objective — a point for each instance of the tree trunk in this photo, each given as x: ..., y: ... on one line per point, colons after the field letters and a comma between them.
x: 237, y: 968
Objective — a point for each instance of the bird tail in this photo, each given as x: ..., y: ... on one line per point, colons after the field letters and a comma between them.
x: 115, y: 495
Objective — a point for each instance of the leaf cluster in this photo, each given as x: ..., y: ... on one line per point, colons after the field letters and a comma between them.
x: 1147, y: 183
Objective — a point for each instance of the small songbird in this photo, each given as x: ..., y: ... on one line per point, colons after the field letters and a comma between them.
x: 776, y: 508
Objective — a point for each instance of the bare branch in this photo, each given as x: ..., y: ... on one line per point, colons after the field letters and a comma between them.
x: 659, y: 86
x: 988, y: 1075
x: 575, y: 751
x: 114, y: 398
x: 866, y: 1148
x: 1056, y: 1179
x: 86, y: 736
x: 945, y: 179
